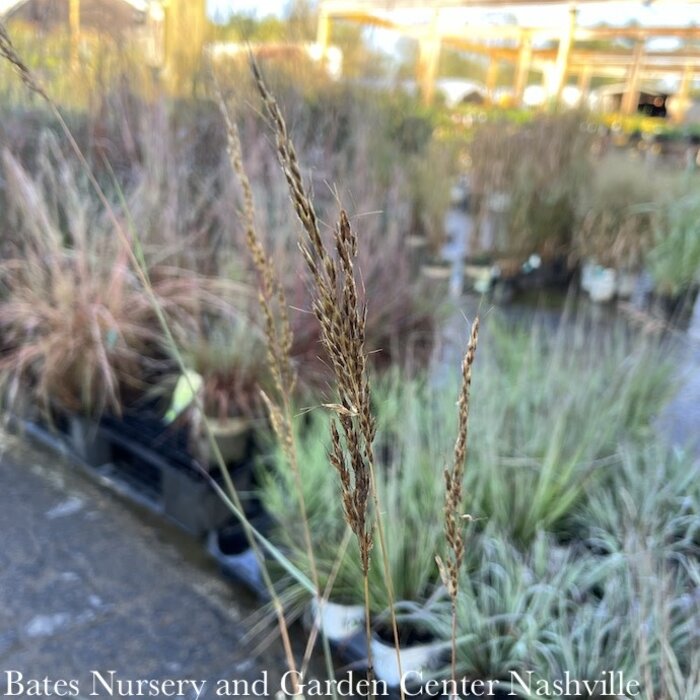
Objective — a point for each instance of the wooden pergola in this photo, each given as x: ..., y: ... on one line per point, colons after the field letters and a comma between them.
x: 567, y: 53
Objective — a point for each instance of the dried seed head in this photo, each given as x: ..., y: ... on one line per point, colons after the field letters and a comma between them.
x: 454, y: 477
x: 342, y: 319
x: 8, y: 52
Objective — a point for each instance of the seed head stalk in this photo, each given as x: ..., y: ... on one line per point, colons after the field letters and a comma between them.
x: 279, y: 340
x: 454, y: 478
x: 342, y: 318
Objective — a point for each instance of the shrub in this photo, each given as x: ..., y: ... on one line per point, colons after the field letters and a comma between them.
x: 675, y: 257
x: 616, y: 213
x: 77, y: 326
x: 541, y: 168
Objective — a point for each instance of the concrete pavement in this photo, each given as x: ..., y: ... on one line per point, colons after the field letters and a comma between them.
x: 88, y: 583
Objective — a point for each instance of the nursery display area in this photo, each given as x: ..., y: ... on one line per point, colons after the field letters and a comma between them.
x: 219, y: 306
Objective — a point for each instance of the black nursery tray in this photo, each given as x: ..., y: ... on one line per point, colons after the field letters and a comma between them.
x: 167, y: 476
x: 145, y: 429
x: 147, y: 461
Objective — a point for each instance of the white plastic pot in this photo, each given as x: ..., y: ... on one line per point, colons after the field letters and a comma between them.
x: 337, y: 622
x: 415, y: 241
x: 587, y: 272
x: 414, y: 660
x: 626, y: 284
x: 602, y: 284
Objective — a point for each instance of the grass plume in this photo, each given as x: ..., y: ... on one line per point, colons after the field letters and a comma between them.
x: 342, y: 318
x: 454, y: 477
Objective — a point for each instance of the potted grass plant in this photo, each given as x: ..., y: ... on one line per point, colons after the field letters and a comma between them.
x: 528, y: 179
x: 510, y: 601
x: 409, y: 482
x: 652, y: 496
x: 216, y: 412
x: 80, y: 334
x: 615, y: 224
x: 230, y: 359
x: 544, y: 439
x: 674, y: 260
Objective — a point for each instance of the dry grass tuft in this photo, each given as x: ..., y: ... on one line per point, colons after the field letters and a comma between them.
x: 278, y: 330
x: 77, y: 325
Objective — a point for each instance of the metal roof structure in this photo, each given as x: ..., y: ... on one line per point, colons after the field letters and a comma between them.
x: 558, y: 51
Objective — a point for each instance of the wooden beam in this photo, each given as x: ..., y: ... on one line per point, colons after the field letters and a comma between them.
x: 630, y: 99
x: 584, y: 83
x: 429, y: 59
x: 522, y: 70
x: 185, y: 32
x: 561, y: 64
x: 74, y: 27
x: 626, y: 61
x: 638, y: 33
x: 492, y: 78
x: 323, y: 31
x: 622, y: 73
x: 373, y: 20
x: 683, y: 96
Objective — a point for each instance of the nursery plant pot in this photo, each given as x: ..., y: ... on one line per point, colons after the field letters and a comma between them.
x: 416, y: 242
x: 436, y: 271
x: 168, y: 478
x: 191, y: 502
x: 602, y: 284
x: 417, y: 655
x: 587, y: 270
x: 231, y: 549
x: 233, y: 437
x: 88, y: 442
x: 479, y: 277
x: 337, y: 622
x: 626, y: 284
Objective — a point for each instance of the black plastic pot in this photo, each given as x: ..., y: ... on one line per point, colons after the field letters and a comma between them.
x: 88, y: 442
x: 231, y: 549
x: 676, y: 308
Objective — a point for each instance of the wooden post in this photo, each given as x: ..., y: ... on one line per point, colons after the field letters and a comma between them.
x: 185, y: 30
x: 584, y: 83
x: 491, y: 78
x: 323, y: 32
x: 74, y: 26
x: 522, y: 70
x: 683, y: 96
x: 561, y: 65
x: 429, y: 59
x: 630, y: 100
